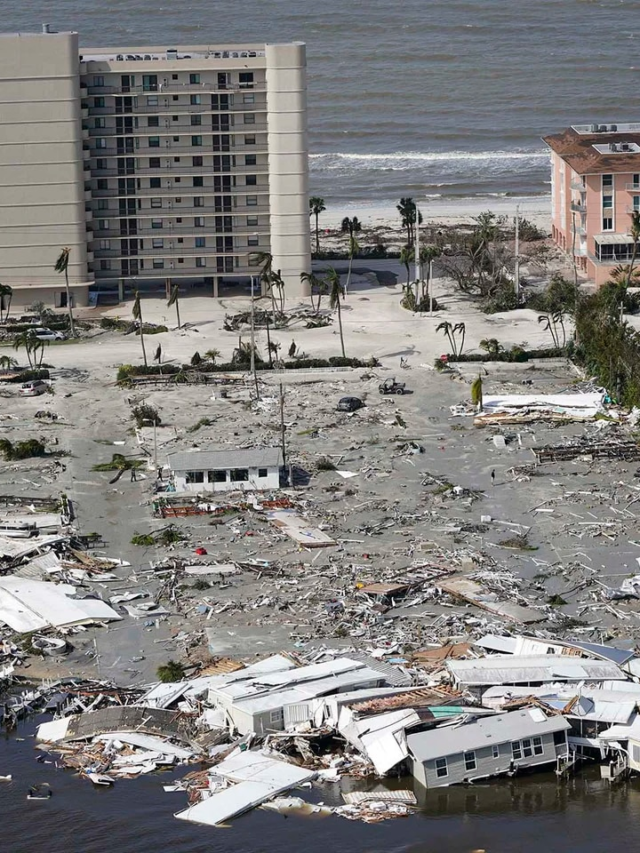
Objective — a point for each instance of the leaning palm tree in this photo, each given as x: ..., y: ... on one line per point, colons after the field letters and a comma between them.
x: 315, y: 284
x: 446, y: 327
x: 351, y: 227
x: 265, y: 261
x: 459, y: 327
x: 316, y: 207
x: 6, y: 362
x: 335, y: 293
x: 26, y: 340
x: 6, y: 294
x: 137, y: 315
x: 174, y: 299
x: 635, y: 236
x: 62, y: 266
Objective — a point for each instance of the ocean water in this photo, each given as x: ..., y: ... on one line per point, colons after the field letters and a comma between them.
x: 418, y: 97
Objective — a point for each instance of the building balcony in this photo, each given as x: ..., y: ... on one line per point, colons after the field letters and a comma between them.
x: 633, y: 209
x: 578, y: 185
x: 632, y: 188
x: 166, y: 232
x: 173, y: 87
x: 578, y: 207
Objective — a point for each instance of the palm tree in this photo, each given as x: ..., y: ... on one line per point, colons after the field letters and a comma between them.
x: 6, y: 294
x: 26, y: 340
x: 265, y: 261
x: 6, y: 361
x: 351, y: 227
x: 62, y: 266
x: 316, y: 207
x: 635, y: 236
x: 335, y: 292
x: 315, y: 284
x: 428, y: 256
x: 212, y: 354
x: 459, y: 327
x: 451, y: 332
x: 137, y: 315
x: 406, y: 258
x: 174, y: 299
x: 407, y: 210
x: 445, y: 327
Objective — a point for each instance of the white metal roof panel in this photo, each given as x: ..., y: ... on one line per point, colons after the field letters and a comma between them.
x: 523, y: 669
x: 222, y: 458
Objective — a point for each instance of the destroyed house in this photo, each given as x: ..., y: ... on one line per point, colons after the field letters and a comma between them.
x: 224, y: 470
x: 492, y: 746
x: 477, y: 675
x: 275, y: 702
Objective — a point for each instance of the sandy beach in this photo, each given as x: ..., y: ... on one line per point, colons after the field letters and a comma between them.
x: 445, y: 211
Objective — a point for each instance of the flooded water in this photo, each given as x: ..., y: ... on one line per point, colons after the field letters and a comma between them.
x: 534, y: 814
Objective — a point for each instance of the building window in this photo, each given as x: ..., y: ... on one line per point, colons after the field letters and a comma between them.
x: 103, y: 204
x: 157, y: 243
x: 607, y: 181
x: 538, y: 748
x: 202, y: 262
x: 198, y: 181
x: 200, y: 242
x: 196, y: 120
x: 607, y: 223
x: 526, y: 748
x: 179, y: 201
x: 495, y: 751
x: 179, y: 219
x: 198, y: 201
x: 607, y: 202
x: 246, y: 79
x: 250, y: 159
x: 98, y: 80
x: 515, y: 749
x: 158, y: 263
x: 636, y: 203
x: 252, y: 221
x: 198, y: 222
x: 101, y: 143
x: 197, y: 161
x: 156, y: 202
x: 248, y: 99
x: 470, y: 761
x: 263, y: 472
x: 152, y: 100
x: 251, y: 180
x: 154, y: 142
x: 154, y: 183
x: 195, y: 99
x: 217, y: 476
x: 103, y: 184
x: 98, y: 103
x: 175, y: 98
x: 249, y: 118
x: 194, y: 477
x: 196, y: 140
x: 252, y: 201
x: 249, y: 140
x: 154, y: 162
x: 100, y: 122
x: 176, y: 159
x: 238, y: 475
x: 105, y: 244
x: 276, y: 716
x: 105, y: 265
x: 180, y: 260
x: 156, y: 223
x: 103, y: 225
x: 636, y: 180
x: 194, y: 79
x: 176, y: 139
x: 442, y: 770
x: 150, y: 82
x: 253, y: 240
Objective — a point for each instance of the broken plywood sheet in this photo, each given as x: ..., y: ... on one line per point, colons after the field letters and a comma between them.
x: 224, y: 569
x: 470, y: 591
x: 299, y: 530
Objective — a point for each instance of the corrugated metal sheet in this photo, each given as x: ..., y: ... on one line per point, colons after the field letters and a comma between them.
x: 354, y: 798
x: 528, y: 669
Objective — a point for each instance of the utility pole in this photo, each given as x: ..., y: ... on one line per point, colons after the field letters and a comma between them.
x: 430, y: 286
x: 253, y: 344
x: 417, y: 263
x: 516, y: 275
x: 575, y: 275
x: 269, y: 345
x: 282, y: 428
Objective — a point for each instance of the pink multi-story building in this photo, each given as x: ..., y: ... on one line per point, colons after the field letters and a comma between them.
x: 595, y: 188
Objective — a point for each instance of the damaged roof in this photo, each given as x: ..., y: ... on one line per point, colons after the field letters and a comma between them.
x: 577, y: 150
x: 223, y: 458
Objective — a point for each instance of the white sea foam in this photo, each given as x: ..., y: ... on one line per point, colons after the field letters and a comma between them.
x: 382, y: 160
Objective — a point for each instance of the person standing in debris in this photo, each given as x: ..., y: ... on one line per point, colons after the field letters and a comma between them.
x: 133, y: 475
x: 493, y: 477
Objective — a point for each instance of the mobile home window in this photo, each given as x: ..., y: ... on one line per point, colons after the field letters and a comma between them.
x: 240, y: 475
x: 470, y: 761
x: 441, y: 768
x: 495, y: 751
x: 194, y: 477
x: 263, y: 472
x: 526, y: 748
x: 217, y: 476
x: 516, y: 751
x: 276, y: 716
x: 538, y: 749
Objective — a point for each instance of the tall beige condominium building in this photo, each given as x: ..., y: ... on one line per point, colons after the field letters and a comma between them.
x: 154, y: 165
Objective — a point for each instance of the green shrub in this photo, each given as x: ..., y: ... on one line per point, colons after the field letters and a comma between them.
x: 21, y: 449
x: 324, y: 464
x: 171, y: 671
x: 145, y: 414
x: 29, y: 375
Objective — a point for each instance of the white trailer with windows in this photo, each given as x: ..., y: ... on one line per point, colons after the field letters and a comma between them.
x: 224, y: 470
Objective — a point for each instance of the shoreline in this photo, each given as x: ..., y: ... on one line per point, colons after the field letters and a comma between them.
x: 441, y: 211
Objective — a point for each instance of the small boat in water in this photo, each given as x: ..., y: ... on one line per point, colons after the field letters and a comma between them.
x: 6, y: 778
x: 40, y: 792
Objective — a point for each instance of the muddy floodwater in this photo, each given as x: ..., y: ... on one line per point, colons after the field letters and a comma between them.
x: 529, y: 815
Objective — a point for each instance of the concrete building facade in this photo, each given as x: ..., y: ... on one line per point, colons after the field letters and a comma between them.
x: 155, y: 166
x: 595, y: 189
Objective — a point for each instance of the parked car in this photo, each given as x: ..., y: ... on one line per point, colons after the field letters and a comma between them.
x: 390, y: 386
x: 43, y: 334
x: 349, y: 404
x: 33, y: 388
